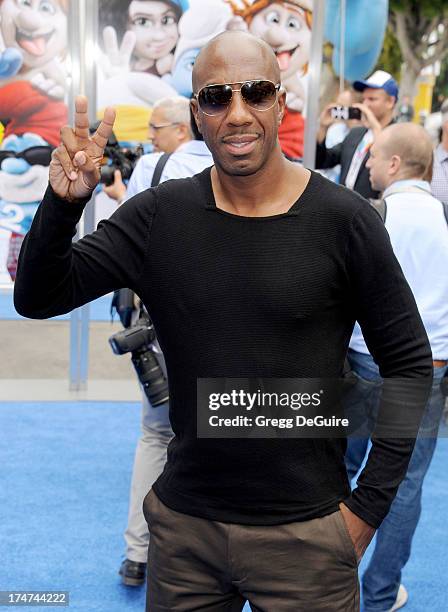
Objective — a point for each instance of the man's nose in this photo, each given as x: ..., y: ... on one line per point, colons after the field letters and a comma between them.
x: 238, y: 112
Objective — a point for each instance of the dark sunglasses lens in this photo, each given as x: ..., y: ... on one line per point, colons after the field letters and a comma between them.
x: 259, y: 94
x: 215, y: 99
x: 40, y: 156
x: 6, y: 155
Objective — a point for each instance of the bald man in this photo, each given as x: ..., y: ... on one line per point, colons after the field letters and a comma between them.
x: 398, y: 163
x: 246, y: 272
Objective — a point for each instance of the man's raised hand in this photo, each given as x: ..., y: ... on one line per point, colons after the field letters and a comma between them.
x: 75, y: 165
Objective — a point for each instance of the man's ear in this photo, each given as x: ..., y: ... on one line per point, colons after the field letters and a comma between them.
x: 391, y: 102
x: 196, y: 117
x: 395, y: 165
x: 184, y: 130
x: 281, y: 104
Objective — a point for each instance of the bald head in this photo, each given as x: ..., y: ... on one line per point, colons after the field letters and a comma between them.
x: 401, y: 151
x: 412, y: 144
x: 223, y: 59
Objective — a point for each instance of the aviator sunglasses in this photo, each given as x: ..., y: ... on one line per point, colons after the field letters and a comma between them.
x: 261, y: 95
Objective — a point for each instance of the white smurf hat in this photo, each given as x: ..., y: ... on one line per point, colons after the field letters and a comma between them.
x: 201, y: 23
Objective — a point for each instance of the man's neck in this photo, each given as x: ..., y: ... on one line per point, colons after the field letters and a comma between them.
x: 386, y: 120
x: 402, y: 181
x: 270, y: 191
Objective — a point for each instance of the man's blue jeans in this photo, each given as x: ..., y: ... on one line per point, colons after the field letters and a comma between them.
x: 393, y: 540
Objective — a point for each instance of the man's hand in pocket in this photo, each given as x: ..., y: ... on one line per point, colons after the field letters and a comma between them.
x: 360, y: 532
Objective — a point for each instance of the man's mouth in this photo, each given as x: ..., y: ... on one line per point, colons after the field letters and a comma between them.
x: 35, y: 44
x: 240, y: 144
x: 284, y: 58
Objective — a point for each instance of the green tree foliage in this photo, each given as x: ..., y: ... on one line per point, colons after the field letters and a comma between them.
x: 391, y: 58
x: 425, y: 8
x: 421, y: 31
x: 441, y: 87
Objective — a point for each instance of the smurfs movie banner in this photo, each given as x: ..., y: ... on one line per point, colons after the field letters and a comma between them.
x: 149, y: 48
x: 146, y: 52
x: 33, y: 81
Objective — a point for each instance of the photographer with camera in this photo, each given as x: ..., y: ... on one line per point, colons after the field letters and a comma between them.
x: 339, y: 129
x: 169, y: 129
x: 178, y: 155
x: 379, y: 97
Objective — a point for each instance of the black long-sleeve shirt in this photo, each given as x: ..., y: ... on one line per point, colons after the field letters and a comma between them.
x: 234, y: 296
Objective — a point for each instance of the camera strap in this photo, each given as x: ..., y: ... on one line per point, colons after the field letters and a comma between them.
x: 381, y: 205
x: 161, y: 163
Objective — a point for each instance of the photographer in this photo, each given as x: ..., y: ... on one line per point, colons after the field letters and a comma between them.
x: 379, y: 96
x: 169, y: 129
x: 172, y: 132
x: 338, y: 131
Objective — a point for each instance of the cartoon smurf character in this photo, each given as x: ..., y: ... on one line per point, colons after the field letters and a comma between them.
x: 131, y: 70
x: 197, y: 26
x: 31, y: 133
x: 155, y: 25
x: 286, y: 26
x: 34, y: 34
x: 149, y: 33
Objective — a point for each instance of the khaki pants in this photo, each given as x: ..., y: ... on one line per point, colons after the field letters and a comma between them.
x: 197, y: 564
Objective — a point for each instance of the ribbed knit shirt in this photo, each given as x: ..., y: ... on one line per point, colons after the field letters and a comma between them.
x: 234, y: 296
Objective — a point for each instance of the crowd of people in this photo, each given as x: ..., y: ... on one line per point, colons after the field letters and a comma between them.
x: 399, y: 240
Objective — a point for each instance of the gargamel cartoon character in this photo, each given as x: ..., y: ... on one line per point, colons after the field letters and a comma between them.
x: 34, y: 34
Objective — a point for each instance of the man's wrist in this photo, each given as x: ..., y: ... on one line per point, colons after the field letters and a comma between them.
x: 322, y: 134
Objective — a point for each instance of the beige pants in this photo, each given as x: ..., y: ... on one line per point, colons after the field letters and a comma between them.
x: 197, y: 564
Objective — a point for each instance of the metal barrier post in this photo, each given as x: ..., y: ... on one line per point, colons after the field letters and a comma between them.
x: 82, y: 43
x: 315, y: 66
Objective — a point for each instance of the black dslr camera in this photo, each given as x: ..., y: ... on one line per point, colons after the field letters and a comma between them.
x: 138, y: 340
x: 117, y: 157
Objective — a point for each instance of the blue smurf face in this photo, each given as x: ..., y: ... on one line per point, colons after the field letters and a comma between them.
x: 182, y: 73
x: 18, y: 144
x: 23, y: 170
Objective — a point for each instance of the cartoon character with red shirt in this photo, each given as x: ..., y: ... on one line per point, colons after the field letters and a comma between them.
x: 32, y: 123
x: 286, y: 26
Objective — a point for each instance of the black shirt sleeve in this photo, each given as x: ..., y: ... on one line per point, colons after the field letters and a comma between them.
x: 393, y: 330
x: 328, y: 158
x: 55, y: 275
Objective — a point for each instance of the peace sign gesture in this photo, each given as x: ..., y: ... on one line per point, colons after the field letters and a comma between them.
x: 75, y: 164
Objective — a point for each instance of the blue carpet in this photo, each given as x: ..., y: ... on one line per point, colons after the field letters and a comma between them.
x: 99, y: 309
x: 65, y: 474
